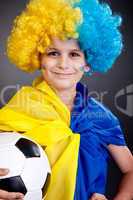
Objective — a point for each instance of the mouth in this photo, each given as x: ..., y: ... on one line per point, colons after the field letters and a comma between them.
x: 63, y: 74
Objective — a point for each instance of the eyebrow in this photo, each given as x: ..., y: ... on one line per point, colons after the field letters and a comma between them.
x: 52, y: 48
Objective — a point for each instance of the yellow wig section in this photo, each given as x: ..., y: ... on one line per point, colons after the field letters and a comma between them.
x: 32, y: 30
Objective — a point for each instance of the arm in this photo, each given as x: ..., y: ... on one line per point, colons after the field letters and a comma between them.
x: 124, y: 160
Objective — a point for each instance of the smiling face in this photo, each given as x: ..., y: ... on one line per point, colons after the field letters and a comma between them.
x: 62, y: 62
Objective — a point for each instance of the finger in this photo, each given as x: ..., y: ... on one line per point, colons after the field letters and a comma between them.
x: 3, y: 172
x: 13, y: 195
x: 10, y: 195
x: 99, y: 198
x: 94, y: 197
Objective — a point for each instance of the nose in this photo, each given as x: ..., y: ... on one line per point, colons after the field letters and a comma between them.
x: 63, y: 62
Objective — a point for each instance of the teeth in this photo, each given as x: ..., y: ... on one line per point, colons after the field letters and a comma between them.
x: 63, y: 74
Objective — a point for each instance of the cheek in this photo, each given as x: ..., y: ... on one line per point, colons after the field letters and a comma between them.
x: 79, y: 69
x: 48, y: 63
x: 78, y: 64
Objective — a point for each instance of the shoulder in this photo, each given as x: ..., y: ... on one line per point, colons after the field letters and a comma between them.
x: 25, y: 93
x: 101, y: 112
x: 106, y: 124
x: 26, y: 97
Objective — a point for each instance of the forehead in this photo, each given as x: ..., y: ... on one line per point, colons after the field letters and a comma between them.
x: 68, y: 44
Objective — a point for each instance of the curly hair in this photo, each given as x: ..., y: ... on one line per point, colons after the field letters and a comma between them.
x: 89, y: 21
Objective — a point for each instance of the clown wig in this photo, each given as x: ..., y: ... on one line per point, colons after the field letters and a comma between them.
x: 89, y: 21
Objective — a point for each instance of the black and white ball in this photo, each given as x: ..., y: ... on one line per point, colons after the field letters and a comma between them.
x: 28, y: 164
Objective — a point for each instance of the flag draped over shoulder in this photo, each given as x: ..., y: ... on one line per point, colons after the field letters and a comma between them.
x: 76, y: 143
x: 98, y: 127
x: 40, y: 114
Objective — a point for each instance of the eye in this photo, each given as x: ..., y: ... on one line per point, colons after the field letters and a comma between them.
x: 74, y: 54
x: 53, y: 53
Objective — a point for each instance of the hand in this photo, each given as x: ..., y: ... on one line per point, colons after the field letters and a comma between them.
x: 4, y: 195
x: 98, y: 196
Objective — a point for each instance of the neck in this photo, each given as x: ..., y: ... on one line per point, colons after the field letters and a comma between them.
x: 67, y: 96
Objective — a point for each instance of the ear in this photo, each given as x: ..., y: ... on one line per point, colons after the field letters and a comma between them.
x: 40, y: 56
x: 42, y: 66
x: 86, y: 68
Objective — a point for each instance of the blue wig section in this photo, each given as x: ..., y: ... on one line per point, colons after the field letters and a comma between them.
x: 99, y: 35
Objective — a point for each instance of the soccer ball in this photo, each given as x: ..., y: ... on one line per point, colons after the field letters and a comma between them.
x: 28, y: 164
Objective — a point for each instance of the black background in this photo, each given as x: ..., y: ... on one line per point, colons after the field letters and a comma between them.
x: 103, y: 87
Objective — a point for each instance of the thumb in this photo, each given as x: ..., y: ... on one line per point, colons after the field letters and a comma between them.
x: 3, y: 171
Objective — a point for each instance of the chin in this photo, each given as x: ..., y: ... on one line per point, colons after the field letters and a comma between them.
x: 63, y: 84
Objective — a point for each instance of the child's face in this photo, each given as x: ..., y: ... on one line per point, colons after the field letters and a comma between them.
x: 63, y: 62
